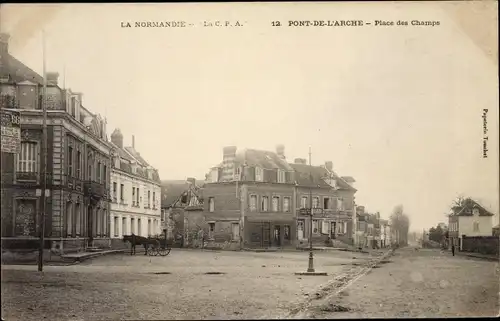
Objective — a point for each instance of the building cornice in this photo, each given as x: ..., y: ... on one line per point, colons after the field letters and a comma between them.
x: 119, y: 171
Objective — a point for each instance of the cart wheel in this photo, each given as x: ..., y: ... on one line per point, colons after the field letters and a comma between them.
x: 164, y: 252
x: 151, y: 252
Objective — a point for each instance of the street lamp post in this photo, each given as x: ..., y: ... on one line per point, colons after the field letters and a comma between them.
x: 311, y: 255
x: 44, y: 161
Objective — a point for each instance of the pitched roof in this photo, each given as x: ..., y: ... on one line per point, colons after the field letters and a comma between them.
x: 263, y: 159
x: 466, y: 209
x: 319, y: 174
x: 121, y: 152
x: 20, y: 72
x: 172, y: 190
x: 136, y: 155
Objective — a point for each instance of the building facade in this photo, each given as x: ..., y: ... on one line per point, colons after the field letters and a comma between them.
x: 469, y: 219
x: 78, y: 164
x: 254, y: 199
x: 135, y: 191
x: 332, y: 202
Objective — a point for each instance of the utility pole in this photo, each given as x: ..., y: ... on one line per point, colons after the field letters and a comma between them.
x: 44, y: 159
x: 311, y: 256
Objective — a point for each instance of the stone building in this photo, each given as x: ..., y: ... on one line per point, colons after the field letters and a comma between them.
x: 78, y: 164
x: 135, y: 192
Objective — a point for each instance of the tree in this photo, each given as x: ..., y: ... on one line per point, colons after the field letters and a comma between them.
x: 436, y: 234
x: 400, y: 224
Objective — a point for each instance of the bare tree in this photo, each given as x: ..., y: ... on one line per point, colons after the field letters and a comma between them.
x: 400, y: 223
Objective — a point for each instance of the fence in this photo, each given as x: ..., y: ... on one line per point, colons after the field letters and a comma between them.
x: 481, y: 244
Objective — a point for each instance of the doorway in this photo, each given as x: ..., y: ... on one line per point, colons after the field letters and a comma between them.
x: 333, y: 229
x: 300, y: 229
x: 277, y: 235
x: 90, y: 222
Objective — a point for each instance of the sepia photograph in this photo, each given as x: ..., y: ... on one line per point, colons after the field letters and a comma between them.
x: 249, y: 160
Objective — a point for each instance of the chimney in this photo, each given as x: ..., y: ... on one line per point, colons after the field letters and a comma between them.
x: 280, y: 150
x: 302, y: 161
x: 4, y: 43
x: 133, y: 141
x: 228, y: 158
x: 329, y: 165
x: 52, y: 78
x: 117, y: 138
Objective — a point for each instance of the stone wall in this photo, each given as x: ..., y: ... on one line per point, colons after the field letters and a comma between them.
x: 481, y: 244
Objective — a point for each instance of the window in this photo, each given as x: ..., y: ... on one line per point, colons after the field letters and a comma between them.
x: 326, y: 203
x: 27, y: 158
x: 150, y: 228
x: 124, y: 226
x: 114, y: 192
x: 475, y: 211
x: 259, y: 177
x: 70, y: 161
x: 89, y: 161
x: 132, y: 226
x: 281, y: 176
x: 315, y: 202
x: 137, y: 200
x: 286, y: 204
x: 139, y: 227
x: 235, y: 228
x: 98, y: 172
x: 303, y: 202
x: 104, y: 224
x: 276, y: 202
x: 476, y: 226
x: 78, y: 164
x: 253, y: 203
x: 315, y: 226
x: 98, y: 222
x: 149, y: 199
x: 154, y: 200
x: 211, y: 204
x: 264, y: 206
x: 73, y: 106
x: 122, y: 190
x: 300, y: 229
x: 211, y: 230
x: 116, y: 226
x: 287, y: 232
x: 133, y: 196
x: 69, y: 219
x: 105, y: 174
x: 324, y: 227
x: 340, y: 204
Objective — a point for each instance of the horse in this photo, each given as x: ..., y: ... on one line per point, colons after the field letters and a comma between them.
x: 140, y: 240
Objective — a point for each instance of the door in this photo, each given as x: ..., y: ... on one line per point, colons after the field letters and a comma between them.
x: 266, y: 234
x: 277, y: 235
x: 333, y: 229
x: 90, y: 223
x: 300, y: 230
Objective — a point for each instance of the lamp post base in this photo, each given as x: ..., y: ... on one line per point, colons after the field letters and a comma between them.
x: 316, y: 273
x: 310, y: 268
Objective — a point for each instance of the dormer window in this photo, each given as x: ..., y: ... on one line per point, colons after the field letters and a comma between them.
x: 259, y: 175
x: 475, y: 211
x: 281, y: 176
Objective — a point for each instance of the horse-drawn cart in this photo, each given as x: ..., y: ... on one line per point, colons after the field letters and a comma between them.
x: 161, y: 248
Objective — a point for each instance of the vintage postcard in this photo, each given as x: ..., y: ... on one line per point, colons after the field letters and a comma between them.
x: 249, y: 160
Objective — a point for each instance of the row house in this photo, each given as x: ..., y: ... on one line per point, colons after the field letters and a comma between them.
x: 78, y: 163
x: 371, y: 230
x: 332, y: 199
x: 135, y: 192
x: 254, y: 199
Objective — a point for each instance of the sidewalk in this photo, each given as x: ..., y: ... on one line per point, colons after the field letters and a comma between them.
x: 489, y: 257
x: 65, y: 259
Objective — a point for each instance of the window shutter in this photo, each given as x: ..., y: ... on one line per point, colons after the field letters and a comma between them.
x: 251, y: 174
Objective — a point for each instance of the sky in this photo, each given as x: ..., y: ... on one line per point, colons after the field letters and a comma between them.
x: 398, y: 108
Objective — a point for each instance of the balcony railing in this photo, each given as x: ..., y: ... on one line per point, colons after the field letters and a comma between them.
x: 94, y: 189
